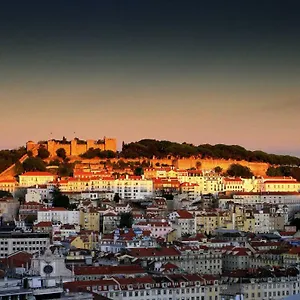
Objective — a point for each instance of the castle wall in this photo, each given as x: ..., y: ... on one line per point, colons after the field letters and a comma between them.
x: 73, y: 148
x: 54, y: 146
x: 110, y: 144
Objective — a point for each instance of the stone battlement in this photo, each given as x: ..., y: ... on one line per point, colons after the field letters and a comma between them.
x: 74, y: 147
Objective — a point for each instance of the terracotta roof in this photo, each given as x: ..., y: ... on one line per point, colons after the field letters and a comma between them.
x: 43, y: 224
x: 108, y: 270
x: 37, y: 174
x: 150, y: 252
x: 53, y: 209
x: 236, y: 179
x: 184, y: 214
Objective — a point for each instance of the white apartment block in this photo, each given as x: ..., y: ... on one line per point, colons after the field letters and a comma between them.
x: 290, y: 200
x: 11, y: 242
x: 262, y: 221
x: 58, y: 215
x: 128, y: 187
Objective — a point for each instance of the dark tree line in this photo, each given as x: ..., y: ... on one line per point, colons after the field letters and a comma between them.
x: 9, y: 157
x: 97, y: 153
x: 162, y: 149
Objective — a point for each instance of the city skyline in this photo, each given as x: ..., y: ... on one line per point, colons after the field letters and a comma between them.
x: 185, y: 72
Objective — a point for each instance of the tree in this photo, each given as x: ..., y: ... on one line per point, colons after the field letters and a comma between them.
x: 139, y: 171
x: 54, y: 162
x: 117, y: 198
x: 237, y: 170
x: 65, y: 170
x: 5, y: 194
x: 34, y: 164
x: 43, y: 153
x: 61, y: 152
x: 218, y: 169
x: 296, y: 222
x: 59, y: 200
x: 18, y: 168
x: 272, y: 171
x: 126, y: 220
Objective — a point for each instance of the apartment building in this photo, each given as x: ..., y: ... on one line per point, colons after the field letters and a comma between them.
x: 11, y: 242
x: 8, y: 185
x: 58, y: 215
x: 158, y: 229
x: 30, y: 179
x: 9, y: 208
x: 173, y: 286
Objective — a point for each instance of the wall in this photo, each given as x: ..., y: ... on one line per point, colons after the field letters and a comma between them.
x: 73, y: 148
x: 208, y: 164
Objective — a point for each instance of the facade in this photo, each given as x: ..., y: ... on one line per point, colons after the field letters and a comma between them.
x: 128, y: 187
x: 9, y: 208
x: 275, y: 288
x: 90, y: 220
x: 11, y: 242
x: 30, y: 179
x: 173, y: 286
x: 8, y: 185
x: 184, y: 220
x: 58, y: 215
x: 29, y: 209
x: 158, y: 229
x: 38, y: 193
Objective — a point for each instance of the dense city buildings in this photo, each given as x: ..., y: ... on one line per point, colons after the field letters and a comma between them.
x: 123, y: 230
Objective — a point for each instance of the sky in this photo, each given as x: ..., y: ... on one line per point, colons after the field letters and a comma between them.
x: 187, y: 71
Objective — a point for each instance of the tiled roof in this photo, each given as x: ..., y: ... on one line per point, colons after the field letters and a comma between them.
x: 37, y: 174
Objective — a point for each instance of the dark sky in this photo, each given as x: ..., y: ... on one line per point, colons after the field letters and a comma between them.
x: 195, y: 71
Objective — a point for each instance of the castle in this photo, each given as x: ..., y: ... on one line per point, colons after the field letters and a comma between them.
x: 74, y: 147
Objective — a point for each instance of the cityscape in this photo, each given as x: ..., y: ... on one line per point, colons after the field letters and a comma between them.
x: 149, y: 150
x: 81, y: 217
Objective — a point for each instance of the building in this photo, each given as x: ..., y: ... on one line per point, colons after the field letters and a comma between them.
x: 172, y: 286
x: 30, y: 179
x: 38, y: 193
x: 184, y: 220
x: 90, y: 219
x: 29, y: 211
x: 11, y: 242
x: 58, y: 215
x: 158, y: 229
x: 261, y: 284
x: 8, y: 185
x: 9, y: 208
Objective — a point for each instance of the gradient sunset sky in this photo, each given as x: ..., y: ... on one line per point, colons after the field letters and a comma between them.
x: 195, y: 71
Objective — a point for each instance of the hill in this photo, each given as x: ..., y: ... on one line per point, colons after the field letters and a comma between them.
x: 163, y: 149
x: 153, y: 153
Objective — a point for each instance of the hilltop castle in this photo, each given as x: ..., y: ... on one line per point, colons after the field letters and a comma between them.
x: 75, y: 147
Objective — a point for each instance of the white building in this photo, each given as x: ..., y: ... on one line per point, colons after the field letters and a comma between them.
x: 58, y: 215
x: 11, y: 242
x: 158, y: 229
x: 262, y: 221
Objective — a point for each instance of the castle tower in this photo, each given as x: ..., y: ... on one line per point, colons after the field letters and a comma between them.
x: 74, y: 148
x: 110, y: 144
x: 30, y: 145
x: 51, y: 147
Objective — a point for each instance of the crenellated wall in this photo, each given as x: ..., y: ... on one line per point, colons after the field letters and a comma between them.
x: 75, y: 148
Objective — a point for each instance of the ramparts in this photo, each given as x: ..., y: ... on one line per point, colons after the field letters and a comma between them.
x: 74, y: 147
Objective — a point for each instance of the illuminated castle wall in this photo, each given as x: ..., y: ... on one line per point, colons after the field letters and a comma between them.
x: 74, y: 147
